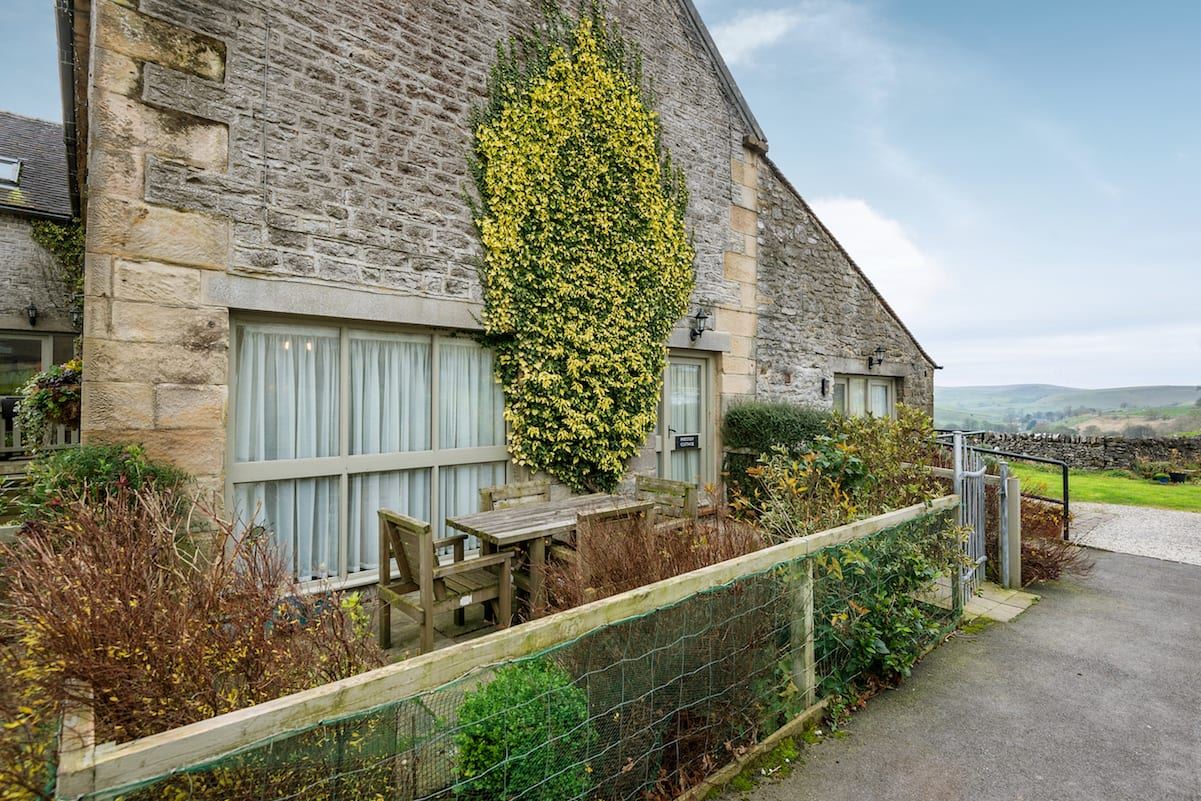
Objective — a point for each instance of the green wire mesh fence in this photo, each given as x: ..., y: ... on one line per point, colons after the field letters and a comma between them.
x: 642, y: 708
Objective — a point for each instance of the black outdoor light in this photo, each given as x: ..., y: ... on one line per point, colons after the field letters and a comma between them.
x: 76, y: 318
x: 699, y: 324
x: 31, y: 312
x: 875, y: 358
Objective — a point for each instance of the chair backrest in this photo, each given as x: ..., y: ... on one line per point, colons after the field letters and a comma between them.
x: 671, y: 498
x: 405, y: 539
x: 506, y: 496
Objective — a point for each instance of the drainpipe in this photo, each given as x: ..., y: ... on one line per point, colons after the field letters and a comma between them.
x: 65, y: 24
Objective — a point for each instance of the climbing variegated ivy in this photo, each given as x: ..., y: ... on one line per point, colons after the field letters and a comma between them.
x: 587, y: 264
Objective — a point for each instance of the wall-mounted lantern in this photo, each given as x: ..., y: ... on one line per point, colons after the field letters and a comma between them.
x: 875, y: 358
x: 699, y: 323
x: 31, y: 311
x: 825, y: 387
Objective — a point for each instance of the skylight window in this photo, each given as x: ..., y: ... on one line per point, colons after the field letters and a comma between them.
x: 10, y: 171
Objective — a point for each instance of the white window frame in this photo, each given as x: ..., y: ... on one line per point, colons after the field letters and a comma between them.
x: 708, y: 423
x: 867, y: 382
x: 15, y: 165
x: 345, y: 464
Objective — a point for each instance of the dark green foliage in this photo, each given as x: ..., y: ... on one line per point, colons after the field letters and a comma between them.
x: 761, y: 425
x: 870, y: 624
x: 59, y: 477
x: 525, y: 734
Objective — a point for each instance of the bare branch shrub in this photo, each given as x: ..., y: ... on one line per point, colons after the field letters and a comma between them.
x: 164, y: 630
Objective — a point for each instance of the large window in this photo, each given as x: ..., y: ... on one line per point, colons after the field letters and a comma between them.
x: 23, y: 354
x: 330, y: 424
x: 861, y: 395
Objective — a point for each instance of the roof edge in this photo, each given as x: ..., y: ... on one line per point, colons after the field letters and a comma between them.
x: 757, y: 140
x: 859, y: 270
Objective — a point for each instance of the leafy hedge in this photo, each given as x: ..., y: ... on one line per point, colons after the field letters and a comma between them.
x: 761, y: 426
x: 587, y: 265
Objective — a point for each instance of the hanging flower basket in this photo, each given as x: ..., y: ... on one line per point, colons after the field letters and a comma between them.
x: 50, y: 398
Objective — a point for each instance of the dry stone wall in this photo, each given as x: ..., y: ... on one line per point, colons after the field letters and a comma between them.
x: 1097, y: 453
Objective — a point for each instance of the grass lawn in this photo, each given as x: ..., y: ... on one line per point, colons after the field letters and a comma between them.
x: 1110, y: 487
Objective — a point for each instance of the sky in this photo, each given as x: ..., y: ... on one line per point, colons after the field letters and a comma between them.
x: 1021, y: 179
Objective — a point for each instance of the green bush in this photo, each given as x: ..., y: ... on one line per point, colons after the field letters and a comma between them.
x: 760, y: 426
x: 57, y: 478
x: 525, y: 734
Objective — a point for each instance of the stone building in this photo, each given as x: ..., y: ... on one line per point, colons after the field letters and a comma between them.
x: 278, y: 248
x: 36, y: 329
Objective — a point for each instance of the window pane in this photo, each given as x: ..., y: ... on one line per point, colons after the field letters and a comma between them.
x: 20, y: 358
x: 287, y: 395
x: 858, y: 393
x: 840, y: 397
x: 404, y: 491
x: 460, y: 490
x: 685, y: 381
x: 64, y: 349
x: 879, y: 399
x: 471, y: 406
x: 389, y: 393
x: 304, y: 513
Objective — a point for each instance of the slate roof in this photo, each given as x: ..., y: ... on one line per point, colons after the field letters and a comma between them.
x: 43, y: 190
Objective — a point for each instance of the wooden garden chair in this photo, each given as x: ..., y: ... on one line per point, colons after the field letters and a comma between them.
x: 424, y: 588
x: 674, y: 501
x: 508, y: 496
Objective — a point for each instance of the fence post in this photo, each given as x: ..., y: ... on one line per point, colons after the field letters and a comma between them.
x: 1013, y: 500
x: 77, y: 749
x: 1003, y: 526
x: 804, y: 659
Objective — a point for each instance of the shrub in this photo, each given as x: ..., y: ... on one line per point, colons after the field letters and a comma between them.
x: 525, y: 734
x: 897, y: 453
x: 761, y: 426
x: 57, y: 479
x: 51, y: 397
x: 165, y: 632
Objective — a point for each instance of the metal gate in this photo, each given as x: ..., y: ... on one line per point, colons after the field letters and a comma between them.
x: 970, y: 469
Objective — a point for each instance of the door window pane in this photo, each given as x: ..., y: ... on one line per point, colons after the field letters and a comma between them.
x: 287, y: 396
x: 20, y: 358
x: 684, y: 418
x: 390, y: 393
x: 471, y: 406
x: 404, y: 491
x: 302, y: 513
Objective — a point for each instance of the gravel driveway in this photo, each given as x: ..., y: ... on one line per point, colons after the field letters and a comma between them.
x: 1159, y: 533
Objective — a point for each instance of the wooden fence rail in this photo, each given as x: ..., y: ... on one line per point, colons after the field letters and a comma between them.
x: 85, y: 767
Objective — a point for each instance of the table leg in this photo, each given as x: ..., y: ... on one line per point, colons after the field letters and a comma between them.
x: 487, y: 548
x: 537, y: 572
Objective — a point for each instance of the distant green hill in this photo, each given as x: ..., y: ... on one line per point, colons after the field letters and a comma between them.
x: 1012, y: 405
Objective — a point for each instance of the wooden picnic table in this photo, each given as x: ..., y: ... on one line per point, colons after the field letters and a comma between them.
x: 531, y: 527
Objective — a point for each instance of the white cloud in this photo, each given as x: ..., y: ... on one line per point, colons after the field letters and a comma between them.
x: 907, y: 277
x: 739, y: 38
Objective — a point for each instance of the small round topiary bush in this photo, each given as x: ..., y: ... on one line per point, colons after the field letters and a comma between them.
x: 525, y: 734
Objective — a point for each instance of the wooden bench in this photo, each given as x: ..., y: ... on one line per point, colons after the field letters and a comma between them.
x: 424, y: 588
x: 509, y: 496
x: 675, y: 502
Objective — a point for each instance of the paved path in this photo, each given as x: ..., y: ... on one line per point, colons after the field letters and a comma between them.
x: 1094, y: 694
x: 1160, y: 533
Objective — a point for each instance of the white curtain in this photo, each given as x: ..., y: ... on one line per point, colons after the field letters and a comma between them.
x: 685, y: 416
x: 390, y: 399
x: 287, y: 408
x: 471, y: 404
x: 404, y: 491
x: 460, y: 491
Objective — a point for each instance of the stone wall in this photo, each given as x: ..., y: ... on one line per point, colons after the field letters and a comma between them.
x: 1097, y: 453
x: 818, y: 314
x: 26, y: 278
